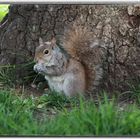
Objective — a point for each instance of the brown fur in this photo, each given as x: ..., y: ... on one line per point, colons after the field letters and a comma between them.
x: 78, y: 42
x: 76, y: 39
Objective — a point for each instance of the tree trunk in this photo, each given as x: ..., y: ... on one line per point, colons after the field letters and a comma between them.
x: 116, y: 25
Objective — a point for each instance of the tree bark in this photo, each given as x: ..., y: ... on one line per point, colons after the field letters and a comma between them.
x: 118, y: 26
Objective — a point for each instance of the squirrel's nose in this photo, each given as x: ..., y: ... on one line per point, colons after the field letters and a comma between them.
x: 36, y: 60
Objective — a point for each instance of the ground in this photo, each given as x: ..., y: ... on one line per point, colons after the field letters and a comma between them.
x: 52, y: 114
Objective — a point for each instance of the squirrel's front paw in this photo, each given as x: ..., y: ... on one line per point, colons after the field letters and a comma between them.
x: 38, y: 68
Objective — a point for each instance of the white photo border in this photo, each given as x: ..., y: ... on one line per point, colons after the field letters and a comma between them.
x: 69, y: 1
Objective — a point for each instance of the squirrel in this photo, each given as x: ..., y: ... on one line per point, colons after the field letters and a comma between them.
x: 72, y: 67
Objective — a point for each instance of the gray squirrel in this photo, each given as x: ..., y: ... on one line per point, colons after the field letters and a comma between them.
x: 75, y: 69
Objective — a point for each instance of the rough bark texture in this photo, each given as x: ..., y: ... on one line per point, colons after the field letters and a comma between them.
x: 118, y: 26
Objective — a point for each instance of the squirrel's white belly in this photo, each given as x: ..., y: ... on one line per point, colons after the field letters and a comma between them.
x: 56, y: 83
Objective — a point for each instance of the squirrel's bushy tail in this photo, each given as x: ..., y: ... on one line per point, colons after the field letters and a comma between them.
x: 76, y: 39
x: 79, y: 43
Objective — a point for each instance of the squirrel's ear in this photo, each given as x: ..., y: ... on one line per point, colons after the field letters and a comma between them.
x: 53, y: 41
x: 40, y: 41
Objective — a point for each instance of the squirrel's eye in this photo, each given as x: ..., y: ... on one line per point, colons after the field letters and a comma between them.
x: 46, y: 51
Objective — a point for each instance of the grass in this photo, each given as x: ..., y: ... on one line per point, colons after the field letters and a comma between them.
x: 9, y: 77
x: 3, y: 10
x: 56, y: 115
x: 52, y: 114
